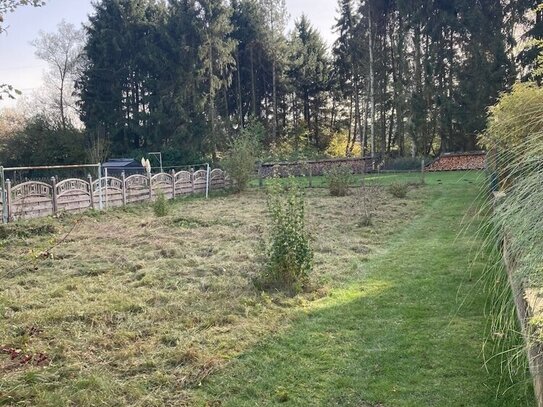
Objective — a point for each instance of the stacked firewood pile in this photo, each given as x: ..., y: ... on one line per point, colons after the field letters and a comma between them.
x: 458, y: 162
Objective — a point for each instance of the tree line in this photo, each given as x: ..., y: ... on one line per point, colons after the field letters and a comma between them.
x: 403, y: 77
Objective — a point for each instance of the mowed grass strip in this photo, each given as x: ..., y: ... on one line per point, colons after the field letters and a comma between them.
x: 407, y: 330
x: 134, y: 310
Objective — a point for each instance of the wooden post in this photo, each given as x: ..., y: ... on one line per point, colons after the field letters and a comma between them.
x: 55, y: 206
x: 260, y: 175
x: 8, y: 200
x: 150, y: 178
x: 173, y: 183
x: 192, y: 179
x: 123, y: 188
x: 91, y: 191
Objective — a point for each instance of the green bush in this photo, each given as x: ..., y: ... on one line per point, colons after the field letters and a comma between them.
x: 290, y: 257
x: 398, y: 190
x: 241, y: 158
x: 339, y: 179
x: 160, y: 206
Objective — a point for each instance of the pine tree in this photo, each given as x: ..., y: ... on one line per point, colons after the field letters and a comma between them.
x: 216, y: 55
x: 309, y: 73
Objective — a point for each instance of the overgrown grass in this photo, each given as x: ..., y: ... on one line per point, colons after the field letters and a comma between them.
x: 134, y: 310
x: 131, y: 309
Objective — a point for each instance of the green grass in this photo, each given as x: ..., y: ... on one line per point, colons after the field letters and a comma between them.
x: 135, y: 310
x: 370, y: 179
x: 406, y: 331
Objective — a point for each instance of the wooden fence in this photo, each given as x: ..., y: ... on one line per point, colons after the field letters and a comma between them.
x: 33, y: 199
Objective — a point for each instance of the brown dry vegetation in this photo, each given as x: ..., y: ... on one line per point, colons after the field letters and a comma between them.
x: 131, y: 309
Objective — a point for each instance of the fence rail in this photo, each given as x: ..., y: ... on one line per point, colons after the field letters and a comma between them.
x: 33, y: 199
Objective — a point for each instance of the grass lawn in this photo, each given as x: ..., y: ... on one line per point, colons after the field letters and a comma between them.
x: 407, y: 330
x: 385, y: 178
x: 132, y: 310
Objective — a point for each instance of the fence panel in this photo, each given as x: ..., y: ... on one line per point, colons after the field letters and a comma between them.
x: 137, y: 188
x: 183, y: 183
x: 216, y: 179
x: 199, y: 181
x: 162, y: 182
x: 73, y: 195
x: 31, y: 200
x: 111, y: 189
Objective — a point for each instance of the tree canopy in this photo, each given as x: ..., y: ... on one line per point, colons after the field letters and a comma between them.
x: 402, y: 78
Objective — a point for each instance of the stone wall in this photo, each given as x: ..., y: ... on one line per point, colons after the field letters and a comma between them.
x: 313, y: 167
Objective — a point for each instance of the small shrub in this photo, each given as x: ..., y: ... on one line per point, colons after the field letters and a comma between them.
x: 398, y: 190
x: 241, y: 158
x: 160, y: 206
x: 339, y: 179
x: 364, y: 199
x: 290, y: 257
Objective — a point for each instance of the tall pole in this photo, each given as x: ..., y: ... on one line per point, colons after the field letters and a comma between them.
x: 4, y: 196
x: 101, y: 202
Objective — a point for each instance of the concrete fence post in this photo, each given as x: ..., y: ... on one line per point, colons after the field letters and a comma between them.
x: 192, y: 179
x: 123, y: 187
x: 105, y: 186
x: 100, y: 196
x: 150, y: 178
x: 172, y: 172
x: 8, y: 201
x: 207, y: 180
x: 55, y: 203
x: 91, y: 191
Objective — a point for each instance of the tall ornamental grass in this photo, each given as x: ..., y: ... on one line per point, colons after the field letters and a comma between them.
x: 514, y: 139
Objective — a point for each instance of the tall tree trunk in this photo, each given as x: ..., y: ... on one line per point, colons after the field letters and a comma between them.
x: 240, y: 100
x: 274, y: 101
x: 415, y: 131
x: 372, y: 84
x: 364, y: 140
x: 61, y: 101
x: 350, y: 133
x: 253, y: 90
x: 212, y: 103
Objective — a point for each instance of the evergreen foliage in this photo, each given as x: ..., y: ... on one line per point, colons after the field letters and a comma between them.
x: 403, y: 77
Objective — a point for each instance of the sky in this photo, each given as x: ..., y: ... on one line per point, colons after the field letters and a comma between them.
x: 20, y: 68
